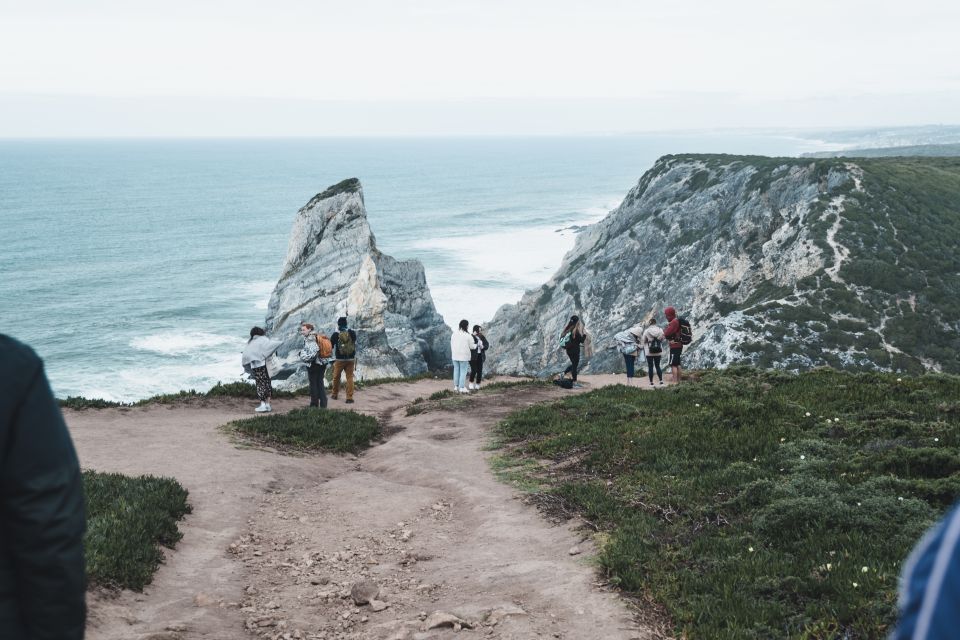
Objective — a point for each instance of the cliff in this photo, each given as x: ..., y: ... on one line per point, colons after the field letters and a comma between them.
x: 333, y: 268
x: 778, y: 262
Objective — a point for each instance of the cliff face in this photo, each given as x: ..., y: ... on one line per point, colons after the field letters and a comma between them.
x: 778, y: 262
x: 333, y: 268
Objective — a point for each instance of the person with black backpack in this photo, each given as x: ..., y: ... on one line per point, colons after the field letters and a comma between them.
x: 344, y: 342
x: 652, y: 341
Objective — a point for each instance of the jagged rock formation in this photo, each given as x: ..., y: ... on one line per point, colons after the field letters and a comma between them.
x: 779, y: 262
x: 333, y: 268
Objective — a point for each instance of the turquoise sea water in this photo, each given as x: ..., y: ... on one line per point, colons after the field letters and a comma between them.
x: 137, y: 267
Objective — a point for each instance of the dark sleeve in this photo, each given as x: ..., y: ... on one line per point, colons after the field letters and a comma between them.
x: 486, y: 343
x: 42, y: 505
x: 353, y: 335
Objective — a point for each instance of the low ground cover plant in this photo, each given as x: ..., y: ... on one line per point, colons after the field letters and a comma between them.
x: 754, y: 504
x: 310, y: 429
x: 128, y: 520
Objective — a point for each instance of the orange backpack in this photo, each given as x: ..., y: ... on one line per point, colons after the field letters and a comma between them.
x: 325, y: 346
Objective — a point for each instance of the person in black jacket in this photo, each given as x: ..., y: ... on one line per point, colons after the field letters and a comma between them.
x: 42, y: 520
x: 572, y: 336
x: 477, y: 357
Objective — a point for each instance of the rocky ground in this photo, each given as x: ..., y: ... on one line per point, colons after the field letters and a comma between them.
x: 415, y: 538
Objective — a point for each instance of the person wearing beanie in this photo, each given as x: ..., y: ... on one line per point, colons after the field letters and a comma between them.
x: 344, y: 341
x: 672, y: 333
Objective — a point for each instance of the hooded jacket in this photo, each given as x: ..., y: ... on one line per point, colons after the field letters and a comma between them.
x: 672, y: 331
x: 42, y: 520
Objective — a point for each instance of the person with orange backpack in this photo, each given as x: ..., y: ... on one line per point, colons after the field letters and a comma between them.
x: 317, y: 349
x: 344, y: 342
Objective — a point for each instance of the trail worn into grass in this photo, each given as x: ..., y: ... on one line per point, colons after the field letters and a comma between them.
x: 275, y: 542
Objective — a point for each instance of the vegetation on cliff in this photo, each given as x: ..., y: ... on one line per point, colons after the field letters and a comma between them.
x: 752, y: 504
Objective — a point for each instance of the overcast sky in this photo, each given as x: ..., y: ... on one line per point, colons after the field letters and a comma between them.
x: 298, y: 67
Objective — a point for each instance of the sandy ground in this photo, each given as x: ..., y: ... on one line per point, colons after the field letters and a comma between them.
x: 275, y: 542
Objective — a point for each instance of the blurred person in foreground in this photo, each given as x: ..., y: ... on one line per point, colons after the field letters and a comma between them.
x: 930, y: 584
x: 42, y: 581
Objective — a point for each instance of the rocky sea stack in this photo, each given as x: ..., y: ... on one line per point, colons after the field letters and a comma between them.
x: 779, y: 262
x: 333, y: 268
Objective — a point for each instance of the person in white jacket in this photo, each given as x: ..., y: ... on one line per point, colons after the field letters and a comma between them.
x: 653, y: 341
x: 461, y: 344
x: 254, y: 361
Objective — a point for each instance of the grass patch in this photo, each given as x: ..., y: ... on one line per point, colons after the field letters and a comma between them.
x: 237, y: 389
x: 514, y: 384
x: 128, y: 519
x: 745, y: 516
x: 311, y: 429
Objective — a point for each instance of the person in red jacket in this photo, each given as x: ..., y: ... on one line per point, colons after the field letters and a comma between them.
x: 672, y: 333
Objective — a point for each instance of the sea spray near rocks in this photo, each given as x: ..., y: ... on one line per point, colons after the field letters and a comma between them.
x: 333, y: 268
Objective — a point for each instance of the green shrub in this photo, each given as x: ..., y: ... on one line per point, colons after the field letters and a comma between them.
x: 311, y: 429
x: 127, y: 521
x: 726, y: 502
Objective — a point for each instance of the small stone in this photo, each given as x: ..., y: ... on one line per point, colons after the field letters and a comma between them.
x: 574, y: 551
x: 364, y: 591
x: 439, y: 619
x: 406, y: 534
x: 378, y: 605
x: 203, y: 600
x: 272, y: 605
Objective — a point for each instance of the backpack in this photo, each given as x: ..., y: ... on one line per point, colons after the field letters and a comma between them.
x: 564, y: 339
x: 686, y: 331
x: 655, y: 346
x: 564, y: 383
x: 626, y: 343
x: 346, y: 349
x: 325, y: 347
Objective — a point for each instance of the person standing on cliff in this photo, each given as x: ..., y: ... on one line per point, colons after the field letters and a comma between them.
x: 344, y: 341
x: 42, y: 579
x: 652, y: 341
x: 462, y: 348
x: 574, y: 335
x: 672, y: 333
x: 317, y: 365
x: 477, y: 357
x: 254, y: 360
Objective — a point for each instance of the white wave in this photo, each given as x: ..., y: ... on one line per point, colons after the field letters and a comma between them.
x: 129, y: 384
x: 183, y: 343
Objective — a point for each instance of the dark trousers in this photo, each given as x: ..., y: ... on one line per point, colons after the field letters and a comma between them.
x: 476, y: 368
x: 574, y: 363
x: 318, y: 395
x: 631, y: 361
x: 654, y: 361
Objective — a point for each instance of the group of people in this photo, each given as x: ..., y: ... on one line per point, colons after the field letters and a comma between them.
x: 649, y: 338
x: 468, y: 351
x: 339, y: 348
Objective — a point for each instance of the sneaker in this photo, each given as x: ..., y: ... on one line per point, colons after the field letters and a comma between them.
x: 464, y: 390
x: 264, y: 407
x: 577, y: 385
x: 651, y: 383
x: 349, y: 400
x: 661, y: 383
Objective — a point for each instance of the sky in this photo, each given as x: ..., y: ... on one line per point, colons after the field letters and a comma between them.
x: 437, y: 67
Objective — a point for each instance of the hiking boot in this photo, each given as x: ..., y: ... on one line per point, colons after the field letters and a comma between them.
x: 349, y: 400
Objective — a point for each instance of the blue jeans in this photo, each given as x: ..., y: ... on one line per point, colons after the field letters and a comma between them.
x: 460, y: 368
x: 631, y: 362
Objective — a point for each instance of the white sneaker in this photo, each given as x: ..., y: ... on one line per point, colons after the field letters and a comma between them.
x: 264, y: 407
x: 464, y: 390
x: 661, y: 383
x: 474, y: 386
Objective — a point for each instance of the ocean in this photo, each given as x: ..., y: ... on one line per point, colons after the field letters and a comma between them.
x: 137, y: 267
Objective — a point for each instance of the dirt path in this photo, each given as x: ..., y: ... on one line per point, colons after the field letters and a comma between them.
x: 275, y: 542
